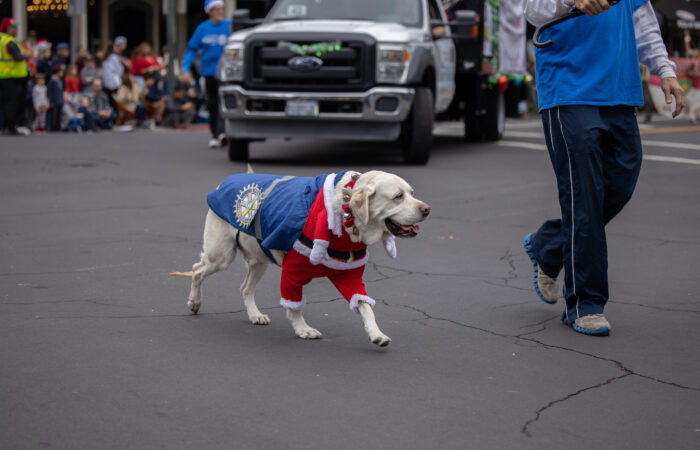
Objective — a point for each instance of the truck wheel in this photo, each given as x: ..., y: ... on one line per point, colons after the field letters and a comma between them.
x: 495, y: 120
x: 417, y: 133
x: 237, y: 150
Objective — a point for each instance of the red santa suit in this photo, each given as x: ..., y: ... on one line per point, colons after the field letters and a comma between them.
x: 324, y: 249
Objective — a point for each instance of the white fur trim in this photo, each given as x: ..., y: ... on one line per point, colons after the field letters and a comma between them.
x: 357, y: 298
x: 293, y: 305
x: 334, y: 219
x: 318, y: 251
x: 390, y: 246
x: 330, y: 262
x: 208, y: 6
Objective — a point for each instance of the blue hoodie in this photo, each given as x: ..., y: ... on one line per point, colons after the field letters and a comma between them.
x: 211, y: 39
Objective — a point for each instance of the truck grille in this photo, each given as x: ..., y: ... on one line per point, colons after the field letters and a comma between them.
x: 349, y: 69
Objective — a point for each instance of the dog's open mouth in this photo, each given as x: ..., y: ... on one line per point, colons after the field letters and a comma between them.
x: 399, y: 230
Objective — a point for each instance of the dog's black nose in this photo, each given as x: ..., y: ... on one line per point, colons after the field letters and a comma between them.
x: 424, y: 209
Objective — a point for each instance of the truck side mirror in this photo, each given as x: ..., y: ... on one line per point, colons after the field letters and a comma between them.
x: 437, y: 29
x: 241, y: 20
x: 464, y: 24
x: 465, y: 16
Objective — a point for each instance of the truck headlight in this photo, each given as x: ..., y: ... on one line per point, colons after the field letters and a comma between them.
x: 392, y: 63
x: 231, y: 63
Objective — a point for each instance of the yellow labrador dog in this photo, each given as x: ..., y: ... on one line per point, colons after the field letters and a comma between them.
x: 311, y: 227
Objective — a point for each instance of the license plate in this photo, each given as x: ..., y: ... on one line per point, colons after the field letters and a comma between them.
x: 302, y: 108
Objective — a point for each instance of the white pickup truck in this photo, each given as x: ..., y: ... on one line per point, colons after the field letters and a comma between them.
x: 377, y: 70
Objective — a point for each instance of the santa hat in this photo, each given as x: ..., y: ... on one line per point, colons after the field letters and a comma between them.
x: 6, y: 23
x: 42, y: 43
x: 210, y: 4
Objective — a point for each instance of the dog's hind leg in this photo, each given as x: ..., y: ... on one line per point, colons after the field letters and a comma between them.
x: 255, y: 271
x: 218, y: 253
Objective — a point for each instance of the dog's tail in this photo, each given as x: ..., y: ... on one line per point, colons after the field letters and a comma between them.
x: 250, y: 169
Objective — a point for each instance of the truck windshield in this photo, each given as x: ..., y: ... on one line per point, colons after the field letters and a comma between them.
x: 406, y: 12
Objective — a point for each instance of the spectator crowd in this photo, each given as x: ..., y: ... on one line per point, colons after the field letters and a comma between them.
x: 102, y: 90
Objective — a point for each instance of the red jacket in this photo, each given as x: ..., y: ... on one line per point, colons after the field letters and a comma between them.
x: 310, y: 257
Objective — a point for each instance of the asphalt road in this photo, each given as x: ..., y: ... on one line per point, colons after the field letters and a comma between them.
x: 99, y: 351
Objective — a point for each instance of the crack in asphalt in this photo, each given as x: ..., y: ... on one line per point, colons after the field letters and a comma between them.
x: 509, y: 258
x: 378, y: 268
x: 543, y: 323
x: 523, y: 336
x: 539, y: 412
x: 658, y: 308
x: 60, y: 302
x: 159, y: 316
x: 67, y: 272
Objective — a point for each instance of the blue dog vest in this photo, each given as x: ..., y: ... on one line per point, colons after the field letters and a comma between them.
x: 271, y: 208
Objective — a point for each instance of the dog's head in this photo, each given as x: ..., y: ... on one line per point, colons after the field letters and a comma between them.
x: 383, y: 204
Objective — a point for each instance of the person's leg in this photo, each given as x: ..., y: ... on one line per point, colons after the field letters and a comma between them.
x: 140, y: 112
x: 21, y: 112
x: 544, y: 247
x: 622, y: 158
x: 10, y: 104
x: 212, y: 87
x: 56, y: 112
x: 577, y: 156
x: 88, y: 122
x: 188, y: 116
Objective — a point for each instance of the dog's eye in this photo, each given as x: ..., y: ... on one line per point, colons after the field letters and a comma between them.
x: 398, y: 196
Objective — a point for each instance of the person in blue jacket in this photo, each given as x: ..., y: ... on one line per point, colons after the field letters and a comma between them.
x: 588, y: 85
x: 210, y: 38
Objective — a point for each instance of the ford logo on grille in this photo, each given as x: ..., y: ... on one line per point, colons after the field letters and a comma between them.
x: 305, y: 63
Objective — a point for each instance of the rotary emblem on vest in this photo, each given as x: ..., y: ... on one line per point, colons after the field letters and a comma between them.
x: 247, y: 204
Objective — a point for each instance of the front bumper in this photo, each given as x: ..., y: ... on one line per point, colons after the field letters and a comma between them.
x: 347, y: 116
x: 373, y: 115
x: 383, y: 104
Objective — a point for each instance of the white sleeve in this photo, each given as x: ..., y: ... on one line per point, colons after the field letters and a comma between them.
x: 539, y: 12
x: 650, y: 46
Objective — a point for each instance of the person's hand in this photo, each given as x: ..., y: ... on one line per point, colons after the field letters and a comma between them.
x: 672, y: 89
x: 186, y: 77
x: 187, y: 106
x: 592, y: 7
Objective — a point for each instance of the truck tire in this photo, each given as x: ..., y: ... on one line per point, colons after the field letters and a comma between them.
x: 417, y: 133
x: 237, y: 150
x: 495, y: 120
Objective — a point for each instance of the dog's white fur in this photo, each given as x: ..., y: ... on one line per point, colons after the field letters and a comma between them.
x: 376, y: 196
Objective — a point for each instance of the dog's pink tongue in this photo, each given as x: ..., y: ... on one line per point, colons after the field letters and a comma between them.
x: 411, y: 228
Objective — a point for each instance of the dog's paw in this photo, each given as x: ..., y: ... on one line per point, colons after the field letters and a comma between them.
x: 262, y: 319
x: 194, y: 306
x: 309, y: 333
x: 381, y: 340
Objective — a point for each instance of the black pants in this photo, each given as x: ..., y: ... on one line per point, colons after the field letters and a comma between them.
x: 216, y: 124
x: 54, y: 116
x: 12, y: 92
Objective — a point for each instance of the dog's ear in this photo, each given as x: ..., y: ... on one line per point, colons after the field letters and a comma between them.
x: 359, y: 202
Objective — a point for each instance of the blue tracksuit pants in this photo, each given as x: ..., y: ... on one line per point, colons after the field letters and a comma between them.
x: 596, y: 153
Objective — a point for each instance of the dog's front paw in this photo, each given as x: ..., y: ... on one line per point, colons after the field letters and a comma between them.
x: 261, y: 319
x: 194, y: 306
x: 381, y: 340
x: 309, y: 333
